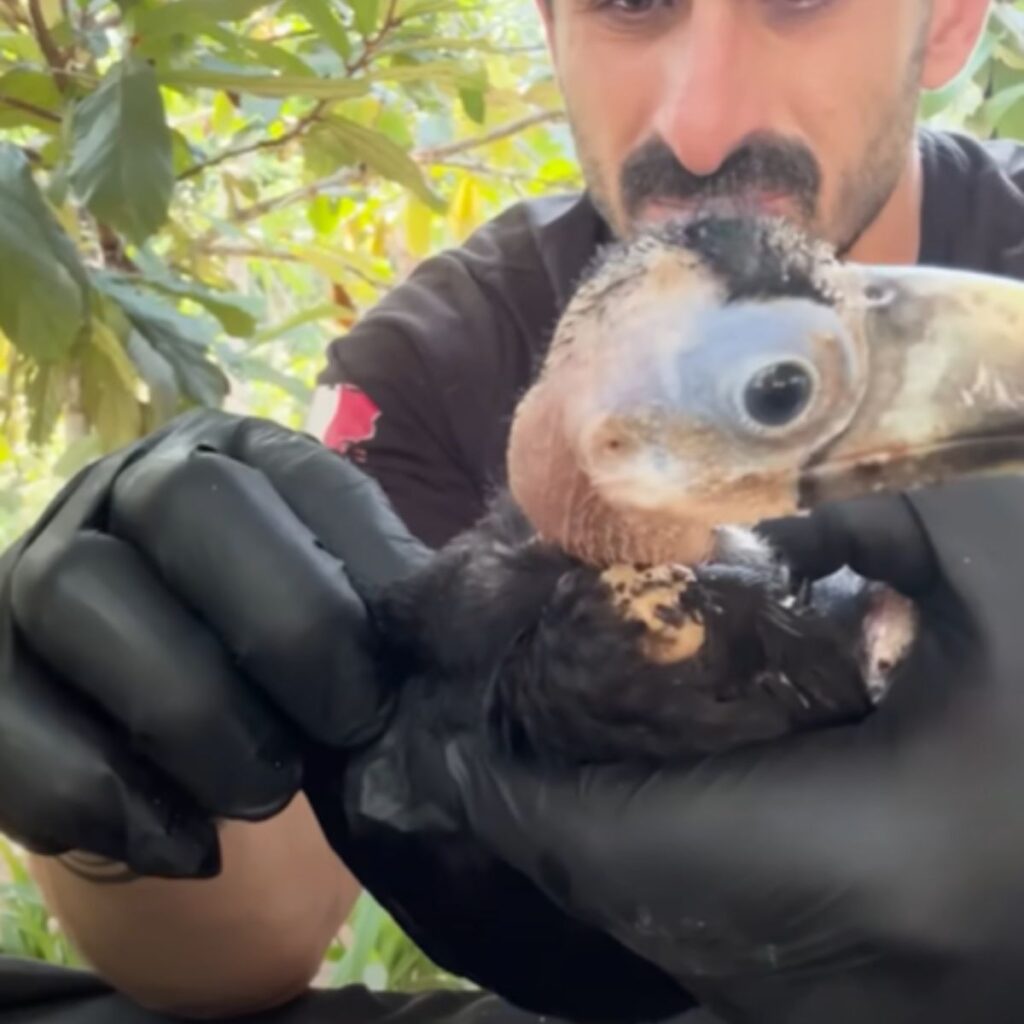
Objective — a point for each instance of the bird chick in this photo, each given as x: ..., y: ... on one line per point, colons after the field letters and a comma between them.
x: 616, y: 603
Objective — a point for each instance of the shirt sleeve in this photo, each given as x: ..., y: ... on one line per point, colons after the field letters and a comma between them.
x: 375, y: 404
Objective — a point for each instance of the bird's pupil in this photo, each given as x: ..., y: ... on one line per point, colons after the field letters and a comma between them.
x: 778, y: 394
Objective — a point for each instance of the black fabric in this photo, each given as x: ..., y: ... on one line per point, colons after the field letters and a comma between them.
x: 35, y: 993
x: 446, y: 355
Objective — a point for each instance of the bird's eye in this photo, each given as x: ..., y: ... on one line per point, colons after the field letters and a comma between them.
x: 776, y: 395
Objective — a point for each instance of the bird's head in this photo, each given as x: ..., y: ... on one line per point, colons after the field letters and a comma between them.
x: 726, y: 370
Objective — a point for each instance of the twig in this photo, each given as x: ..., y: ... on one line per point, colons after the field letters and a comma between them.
x: 265, y: 206
x: 390, y: 22
x: 435, y: 154
x: 255, y: 252
x: 30, y: 108
x: 478, y: 167
x: 54, y: 58
x: 348, y: 175
x: 230, y: 154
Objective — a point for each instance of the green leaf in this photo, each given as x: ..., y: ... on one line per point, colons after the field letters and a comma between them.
x: 43, y: 287
x: 387, y: 159
x: 34, y: 88
x: 325, y: 23
x: 181, y: 340
x: 122, y: 164
x: 47, y: 392
x: 234, y: 312
x: 246, y: 50
x: 420, y: 8
x: 324, y: 214
x: 441, y: 72
x: 278, y: 86
x: 108, y: 389
x: 159, y: 375
x: 325, y: 311
x: 191, y: 17
x: 473, y: 104
x: 366, y: 13
x: 21, y: 46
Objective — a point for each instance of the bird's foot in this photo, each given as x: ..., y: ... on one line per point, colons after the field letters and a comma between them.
x: 657, y: 598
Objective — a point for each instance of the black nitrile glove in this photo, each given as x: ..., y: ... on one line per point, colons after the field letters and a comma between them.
x: 867, y: 873
x: 184, y: 637
x: 184, y: 613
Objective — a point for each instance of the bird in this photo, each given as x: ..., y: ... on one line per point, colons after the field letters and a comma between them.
x: 617, y: 603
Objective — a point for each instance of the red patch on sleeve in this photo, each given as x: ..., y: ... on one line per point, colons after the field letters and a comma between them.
x: 355, y: 419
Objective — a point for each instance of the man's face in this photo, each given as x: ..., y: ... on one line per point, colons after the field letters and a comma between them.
x: 802, y: 107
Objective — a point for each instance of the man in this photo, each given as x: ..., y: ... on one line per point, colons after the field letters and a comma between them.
x: 214, y: 552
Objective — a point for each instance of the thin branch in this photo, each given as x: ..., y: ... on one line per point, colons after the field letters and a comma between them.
x: 282, y: 140
x: 54, y: 58
x: 264, y: 206
x: 255, y: 252
x: 435, y: 154
x: 478, y: 167
x: 30, y: 108
x: 374, y: 42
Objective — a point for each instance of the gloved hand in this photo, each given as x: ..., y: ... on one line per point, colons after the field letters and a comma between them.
x: 184, y: 637
x: 181, y: 618
x: 872, y: 872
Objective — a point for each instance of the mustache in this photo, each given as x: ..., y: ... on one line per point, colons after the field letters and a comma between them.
x: 764, y: 163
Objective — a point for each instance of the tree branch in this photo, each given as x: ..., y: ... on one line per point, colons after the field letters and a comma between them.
x: 480, y: 168
x: 434, y: 155
x: 255, y: 252
x: 54, y: 58
x: 343, y: 177
x: 437, y: 154
x: 230, y: 154
x: 30, y: 108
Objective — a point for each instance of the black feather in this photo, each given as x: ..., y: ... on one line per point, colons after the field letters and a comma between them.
x: 511, y: 635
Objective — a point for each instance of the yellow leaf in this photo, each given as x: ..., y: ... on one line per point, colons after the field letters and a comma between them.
x: 223, y: 117
x: 379, y: 247
x: 104, y: 339
x: 418, y: 222
x: 464, y: 210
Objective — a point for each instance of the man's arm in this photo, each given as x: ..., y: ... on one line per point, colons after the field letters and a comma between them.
x: 249, y: 939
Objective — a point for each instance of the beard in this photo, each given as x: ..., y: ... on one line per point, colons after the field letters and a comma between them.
x: 765, y: 163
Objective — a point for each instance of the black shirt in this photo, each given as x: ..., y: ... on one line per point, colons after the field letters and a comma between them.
x: 443, y: 359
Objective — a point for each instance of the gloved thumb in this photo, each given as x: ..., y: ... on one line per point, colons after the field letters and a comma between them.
x: 879, y: 536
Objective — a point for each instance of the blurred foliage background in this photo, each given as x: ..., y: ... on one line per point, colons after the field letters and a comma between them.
x: 197, y: 195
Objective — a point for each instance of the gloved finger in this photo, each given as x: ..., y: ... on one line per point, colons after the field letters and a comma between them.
x: 344, y: 508
x: 94, y: 611
x: 70, y: 781
x: 229, y: 546
x: 878, y: 536
x: 975, y: 527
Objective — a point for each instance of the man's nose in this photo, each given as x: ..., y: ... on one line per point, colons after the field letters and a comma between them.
x: 714, y: 96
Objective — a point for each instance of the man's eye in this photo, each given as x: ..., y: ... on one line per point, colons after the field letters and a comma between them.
x: 795, y: 8
x: 631, y: 10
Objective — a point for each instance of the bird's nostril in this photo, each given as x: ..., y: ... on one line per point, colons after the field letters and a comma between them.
x: 776, y: 395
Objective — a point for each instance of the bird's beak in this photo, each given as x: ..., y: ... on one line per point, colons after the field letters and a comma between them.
x: 945, y: 387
